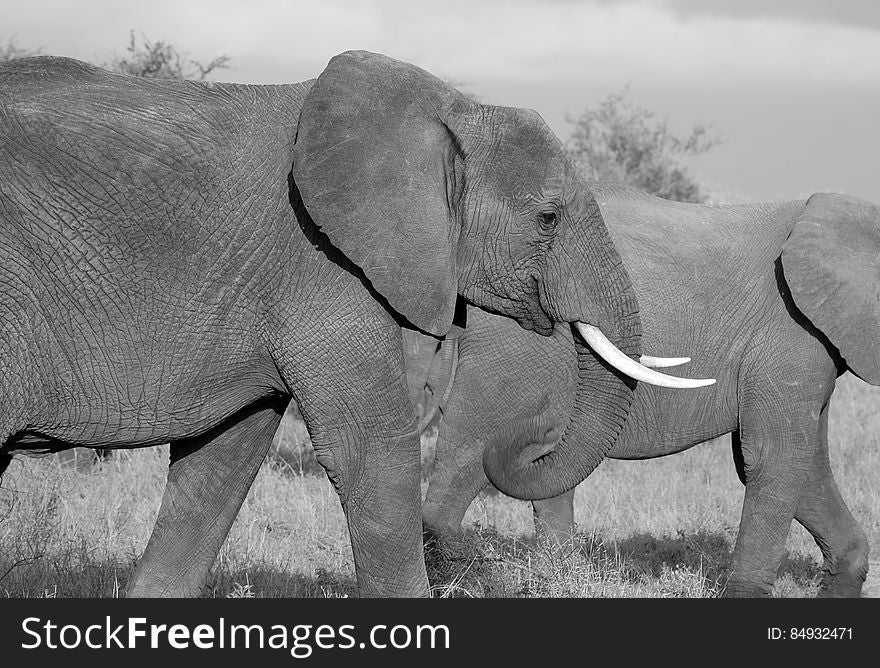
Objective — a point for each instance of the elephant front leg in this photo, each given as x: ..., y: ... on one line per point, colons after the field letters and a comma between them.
x: 378, y: 478
x: 353, y: 398
x: 382, y: 510
x: 208, y: 479
x: 554, y: 520
x: 456, y: 480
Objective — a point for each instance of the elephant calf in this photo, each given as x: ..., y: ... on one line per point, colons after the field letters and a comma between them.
x: 777, y: 300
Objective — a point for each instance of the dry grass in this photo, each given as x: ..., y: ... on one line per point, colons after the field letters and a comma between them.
x: 658, y: 528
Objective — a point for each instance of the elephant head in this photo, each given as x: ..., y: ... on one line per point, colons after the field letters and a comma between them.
x: 433, y: 195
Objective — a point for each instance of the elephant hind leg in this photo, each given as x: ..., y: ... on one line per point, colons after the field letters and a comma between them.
x: 822, y: 511
x: 208, y: 479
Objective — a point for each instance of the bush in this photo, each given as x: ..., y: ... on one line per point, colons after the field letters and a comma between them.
x: 161, y: 60
x: 622, y: 142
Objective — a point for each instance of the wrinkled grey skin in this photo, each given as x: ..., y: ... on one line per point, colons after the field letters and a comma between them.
x: 178, y: 259
x: 430, y: 373
x: 774, y: 300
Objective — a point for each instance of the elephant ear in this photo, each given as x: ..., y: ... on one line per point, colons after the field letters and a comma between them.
x: 381, y: 174
x: 831, y: 262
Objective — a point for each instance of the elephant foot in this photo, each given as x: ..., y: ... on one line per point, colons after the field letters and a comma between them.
x: 156, y: 585
x: 841, y: 587
x: 559, y: 544
x: 871, y: 588
x: 743, y: 589
x: 462, y: 563
x: 445, y: 542
x: 845, y: 577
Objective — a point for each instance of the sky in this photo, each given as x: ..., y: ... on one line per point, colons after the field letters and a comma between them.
x: 791, y: 86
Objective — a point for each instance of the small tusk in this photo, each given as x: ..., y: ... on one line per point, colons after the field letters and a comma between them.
x: 610, y: 353
x: 658, y: 362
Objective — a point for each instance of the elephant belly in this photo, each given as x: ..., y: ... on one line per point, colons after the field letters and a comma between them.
x: 138, y: 409
x: 665, y: 421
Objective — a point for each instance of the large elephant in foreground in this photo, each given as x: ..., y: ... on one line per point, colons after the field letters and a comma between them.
x: 178, y: 259
x: 777, y: 300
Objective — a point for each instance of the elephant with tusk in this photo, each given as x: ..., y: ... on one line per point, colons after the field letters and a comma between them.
x: 777, y: 300
x: 178, y: 259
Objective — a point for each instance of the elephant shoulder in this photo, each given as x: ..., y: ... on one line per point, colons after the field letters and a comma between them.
x: 831, y: 263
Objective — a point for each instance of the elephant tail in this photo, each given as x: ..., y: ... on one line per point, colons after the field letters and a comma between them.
x: 442, y: 378
x: 831, y: 262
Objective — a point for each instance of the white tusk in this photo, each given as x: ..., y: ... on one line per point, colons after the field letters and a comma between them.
x: 657, y: 362
x: 608, y: 352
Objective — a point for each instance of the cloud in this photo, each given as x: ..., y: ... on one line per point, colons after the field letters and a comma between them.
x: 860, y: 13
x: 588, y: 42
x: 582, y: 42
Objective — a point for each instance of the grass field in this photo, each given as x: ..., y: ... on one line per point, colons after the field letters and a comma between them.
x: 657, y: 528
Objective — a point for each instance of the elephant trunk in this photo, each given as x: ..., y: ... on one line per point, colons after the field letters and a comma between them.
x: 542, y: 456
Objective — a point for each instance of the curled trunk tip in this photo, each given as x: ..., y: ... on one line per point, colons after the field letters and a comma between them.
x: 516, y: 456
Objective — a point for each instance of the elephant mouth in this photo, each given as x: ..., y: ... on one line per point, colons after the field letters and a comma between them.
x: 541, y: 318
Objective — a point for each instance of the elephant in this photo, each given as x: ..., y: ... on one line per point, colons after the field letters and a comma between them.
x: 430, y: 372
x: 179, y: 259
x: 778, y: 299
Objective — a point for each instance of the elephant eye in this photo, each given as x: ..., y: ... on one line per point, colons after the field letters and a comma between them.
x: 548, y: 219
